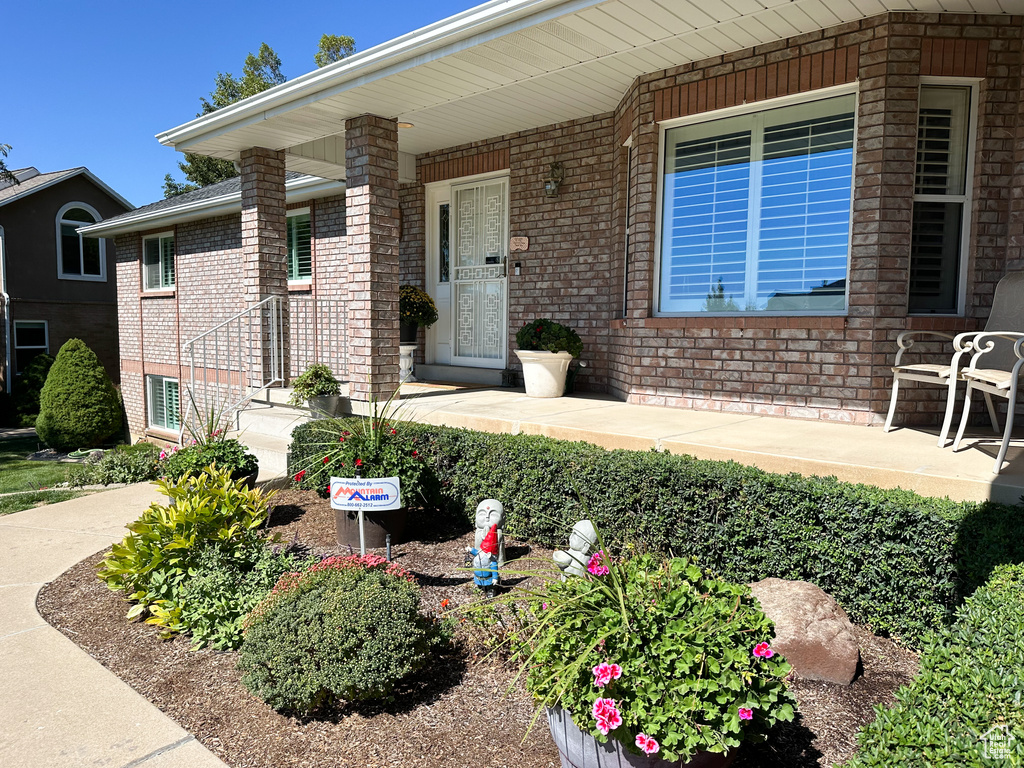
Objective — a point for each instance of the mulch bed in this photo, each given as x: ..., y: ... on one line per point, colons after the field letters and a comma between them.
x: 458, y: 712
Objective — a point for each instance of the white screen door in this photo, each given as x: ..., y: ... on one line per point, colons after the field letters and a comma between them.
x: 479, y: 233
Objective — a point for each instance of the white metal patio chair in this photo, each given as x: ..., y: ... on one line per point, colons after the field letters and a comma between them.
x: 1007, y: 315
x: 1002, y: 355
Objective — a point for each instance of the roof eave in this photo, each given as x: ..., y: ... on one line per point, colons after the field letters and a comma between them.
x: 83, y: 171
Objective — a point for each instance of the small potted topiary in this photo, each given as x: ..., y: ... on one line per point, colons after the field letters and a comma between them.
x: 651, y: 661
x: 415, y: 308
x: 317, y: 388
x: 545, y: 349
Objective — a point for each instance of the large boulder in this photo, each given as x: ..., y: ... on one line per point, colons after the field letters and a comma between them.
x: 811, y: 630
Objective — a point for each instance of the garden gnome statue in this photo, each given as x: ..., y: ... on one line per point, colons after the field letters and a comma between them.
x: 491, y: 512
x: 582, y: 541
x: 485, y: 562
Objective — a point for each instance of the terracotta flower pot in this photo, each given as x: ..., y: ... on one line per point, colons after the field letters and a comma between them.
x: 544, y: 372
x: 581, y: 750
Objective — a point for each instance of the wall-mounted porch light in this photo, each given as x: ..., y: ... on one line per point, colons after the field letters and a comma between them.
x: 556, y: 173
x: 403, y: 124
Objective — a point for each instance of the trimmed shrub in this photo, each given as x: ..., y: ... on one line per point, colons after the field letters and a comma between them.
x: 225, y: 454
x: 78, y: 406
x: 153, y: 563
x: 25, y: 390
x: 348, y: 628
x: 897, y: 562
x: 123, y: 464
x: 970, y: 683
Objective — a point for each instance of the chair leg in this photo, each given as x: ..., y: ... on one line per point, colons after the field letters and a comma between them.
x: 1011, y: 405
x: 892, y: 402
x: 963, y: 418
x: 947, y: 420
x: 993, y: 417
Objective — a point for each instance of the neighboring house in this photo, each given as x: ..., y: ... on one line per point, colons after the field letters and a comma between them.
x: 54, y: 283
x: 737, y: 205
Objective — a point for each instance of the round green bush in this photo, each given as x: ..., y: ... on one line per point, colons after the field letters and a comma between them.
x: 226, y: 454
x: 545, y: 335
x: 78, y: 407
x: 347, y: 629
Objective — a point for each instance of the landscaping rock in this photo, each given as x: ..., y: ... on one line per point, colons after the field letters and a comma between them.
x: 811, y: 630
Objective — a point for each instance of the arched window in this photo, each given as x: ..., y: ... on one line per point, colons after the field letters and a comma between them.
x: 79, y: 258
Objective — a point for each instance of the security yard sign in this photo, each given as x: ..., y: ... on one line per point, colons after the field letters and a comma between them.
x: 366, y: 494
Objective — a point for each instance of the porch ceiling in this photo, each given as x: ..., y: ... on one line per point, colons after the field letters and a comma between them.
x: 512, y: 65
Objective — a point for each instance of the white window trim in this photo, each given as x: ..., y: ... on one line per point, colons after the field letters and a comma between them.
x: 102, y: 276
x: 746, y: 109
x: 142, y: 262
x: 974, y: 83
x: 46, y: 336
x: 150, y: 417
x: 300, y: 212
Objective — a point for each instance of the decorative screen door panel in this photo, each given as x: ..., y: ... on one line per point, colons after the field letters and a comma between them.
x: 479, y: 227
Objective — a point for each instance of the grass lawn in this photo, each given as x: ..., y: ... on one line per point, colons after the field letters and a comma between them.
x: 19, y: 474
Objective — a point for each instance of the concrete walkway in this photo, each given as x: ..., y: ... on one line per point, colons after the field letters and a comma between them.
x: 58, y: 706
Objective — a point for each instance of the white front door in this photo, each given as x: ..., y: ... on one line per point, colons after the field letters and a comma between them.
x: 439, y: 335
x: 476, y: 293
x: 478, y: 260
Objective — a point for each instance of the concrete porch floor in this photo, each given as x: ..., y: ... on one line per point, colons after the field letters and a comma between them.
x: 904, y: 458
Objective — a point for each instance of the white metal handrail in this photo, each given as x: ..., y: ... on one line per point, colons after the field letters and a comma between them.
x: 234, y: 361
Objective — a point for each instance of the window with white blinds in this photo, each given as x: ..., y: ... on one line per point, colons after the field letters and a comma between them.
x: 300, y: 246
x: 756, y: 211
x: 164, y: 403
x: 940, y: 199
x: 158, y: 262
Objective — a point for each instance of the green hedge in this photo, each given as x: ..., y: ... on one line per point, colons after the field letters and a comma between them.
x: 897, y: 562
x: 971, y: 680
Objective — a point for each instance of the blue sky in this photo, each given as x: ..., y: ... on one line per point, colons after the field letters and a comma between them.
x: 92, y: 83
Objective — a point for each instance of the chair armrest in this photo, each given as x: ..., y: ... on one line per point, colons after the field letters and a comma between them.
x: 984, y: 343
x: 905, y: 341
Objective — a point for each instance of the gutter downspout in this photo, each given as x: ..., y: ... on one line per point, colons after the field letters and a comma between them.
x: 7, y: 311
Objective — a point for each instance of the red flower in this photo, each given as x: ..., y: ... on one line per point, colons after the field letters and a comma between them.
x: 393, y: 432
x: 326, y: 458
x: 298, y: 477
x: 444, y: 603
x: 359, y: 462
x: 341, y: 439
x: 346, y: 434
x: 415, y: 453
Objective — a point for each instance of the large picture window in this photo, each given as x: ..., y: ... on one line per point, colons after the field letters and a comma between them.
x: 300, y: 246
x: 79, y: 258
x: 164, y: 404
x: 756, y: 211
x: 158, y: 262
x: 940, y: 199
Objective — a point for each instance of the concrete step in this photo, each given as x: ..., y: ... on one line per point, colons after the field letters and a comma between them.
x: 270, y: 450
x: 458, y: 374
x: 281, y: 395
x: 273, y: 420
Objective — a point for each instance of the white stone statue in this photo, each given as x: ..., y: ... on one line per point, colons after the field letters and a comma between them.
x: 491, y: 512
x: 582, y: 542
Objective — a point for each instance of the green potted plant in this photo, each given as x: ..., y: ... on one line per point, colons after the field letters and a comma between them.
x: 545, y: 350
x: 650, y: 661
x: 373, y: 446
x: 224, y: 453
x: 415, y: 308
x: 317, y: 388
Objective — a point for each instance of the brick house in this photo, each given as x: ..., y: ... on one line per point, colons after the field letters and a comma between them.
x: 54, y: 283
x: 738, y: 206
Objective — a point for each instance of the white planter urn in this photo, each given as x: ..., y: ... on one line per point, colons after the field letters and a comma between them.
x: 405, y: 353
x: 544, y: 372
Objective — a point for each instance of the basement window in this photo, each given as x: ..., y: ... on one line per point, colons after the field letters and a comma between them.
x: 164, y: 403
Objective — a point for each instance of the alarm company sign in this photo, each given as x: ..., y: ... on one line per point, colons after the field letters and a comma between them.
x: 368, y: 494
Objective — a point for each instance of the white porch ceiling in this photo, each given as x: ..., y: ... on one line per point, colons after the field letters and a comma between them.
x: 512, y: 65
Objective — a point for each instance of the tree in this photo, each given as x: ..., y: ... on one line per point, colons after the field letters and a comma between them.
x: 259, y: 72
x: 78, y: 407
x: 6, y: 175
x: 716, y: 301
x: 334, y: 48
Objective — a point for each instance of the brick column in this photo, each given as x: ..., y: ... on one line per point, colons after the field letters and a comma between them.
x: 1015, y: 226
x: 371, y: 204
x: 264, y: 241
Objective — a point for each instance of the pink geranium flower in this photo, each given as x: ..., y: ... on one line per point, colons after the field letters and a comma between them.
x: 746, y: 714
x: 762, y: 651
x: 596, y: 565
x: 607, y: 715
x: 648, y: 744
x: 604, y: 673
